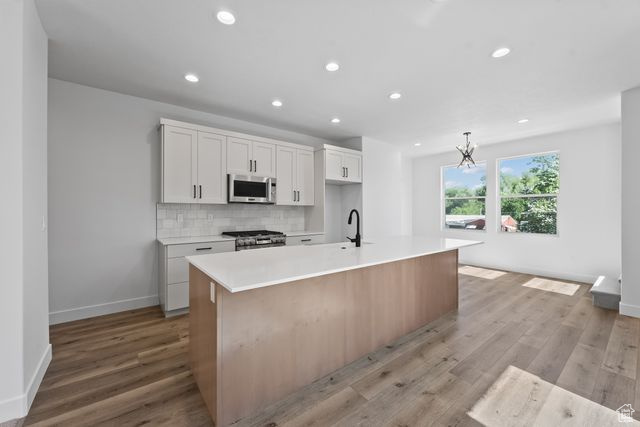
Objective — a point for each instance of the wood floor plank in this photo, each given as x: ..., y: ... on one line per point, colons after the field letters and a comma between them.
x: 111, y: 408
x: 621, y: 354
x: 613, y: 390
x: 598, y: 329
x: 486, y: 355
x: 580, y: 314
x: 329, y: 410
x: 552, y: 358
x: 581, y: 370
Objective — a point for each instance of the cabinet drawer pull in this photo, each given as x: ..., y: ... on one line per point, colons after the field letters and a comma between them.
x: 204, y: 249
x: 347, y: 169
x: 305, y: 240
x: 255, y: 166
x: 250, y: 165
x: 200, y: 191
x: 194, y: 191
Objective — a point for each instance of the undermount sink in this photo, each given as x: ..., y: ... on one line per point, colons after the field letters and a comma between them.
x: 346, y: 245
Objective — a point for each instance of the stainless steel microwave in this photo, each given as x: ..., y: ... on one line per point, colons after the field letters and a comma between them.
x: 251, y: 189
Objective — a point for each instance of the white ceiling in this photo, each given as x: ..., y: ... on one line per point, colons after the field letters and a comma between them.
x: 570, y: 60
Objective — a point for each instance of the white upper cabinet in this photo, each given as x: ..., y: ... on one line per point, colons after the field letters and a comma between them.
x: 212, y: 174
x: 352, y: 166
x: 264, y: 159
x: 239, y: 159
x: 295, y: 177
x: 342, y: 166
x: 334, y: 168
x: 179, y: 164
x: 193, y: 166
x: 286, y: 177
x: 246, y: 157
x: 196, y: 160
x: 305, y: 178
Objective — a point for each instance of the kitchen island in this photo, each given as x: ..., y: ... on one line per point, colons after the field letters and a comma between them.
x: 266, y: 322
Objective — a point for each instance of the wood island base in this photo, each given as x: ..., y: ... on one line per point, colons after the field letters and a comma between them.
x: 251, y: 348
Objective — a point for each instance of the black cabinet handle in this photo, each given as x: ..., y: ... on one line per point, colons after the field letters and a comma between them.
x: 194, y: 191
x: 200, y: 191
x: 203, y: 249
x: 255, y: 166
x: 305, y: 240
x: 347, y: 172
x: 250, y: 166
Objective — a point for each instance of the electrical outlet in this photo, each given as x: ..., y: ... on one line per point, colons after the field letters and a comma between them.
x: 180, y: 217
x: 213, y: 292
x: 210, y: 217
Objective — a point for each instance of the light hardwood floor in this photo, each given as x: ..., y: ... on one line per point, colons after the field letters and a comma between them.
x: 131, y: 368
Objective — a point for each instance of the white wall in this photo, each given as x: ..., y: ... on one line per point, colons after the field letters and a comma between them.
x: 588, y: 243
x: 104, y: 180
x: 23, y: 255
x: 630, y: 303
x: 386, y: 190
x: 34, y: 184
x: 11, y: 320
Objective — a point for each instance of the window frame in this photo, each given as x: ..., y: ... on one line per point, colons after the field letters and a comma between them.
x: 499, y: 196
x: 443, y: 200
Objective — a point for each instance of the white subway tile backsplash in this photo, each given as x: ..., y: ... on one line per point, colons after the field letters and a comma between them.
x: 206, y: 220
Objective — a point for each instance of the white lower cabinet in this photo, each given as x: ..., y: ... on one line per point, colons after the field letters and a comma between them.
x: 308, y: 239
x: 174, y: 272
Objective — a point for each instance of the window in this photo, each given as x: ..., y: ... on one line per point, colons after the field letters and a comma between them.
x: 465, y: 191
x: 529, y: 189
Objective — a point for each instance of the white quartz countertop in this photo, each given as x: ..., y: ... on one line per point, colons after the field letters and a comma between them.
x: 220, y: 238
x: 257, y: 268
x: 302, y: 233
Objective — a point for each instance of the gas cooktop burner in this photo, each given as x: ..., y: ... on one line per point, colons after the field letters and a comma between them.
x: 255, y: 239
x: 252, y: 233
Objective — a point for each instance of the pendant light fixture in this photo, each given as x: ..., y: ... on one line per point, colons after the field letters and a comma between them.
x: 467, y: 152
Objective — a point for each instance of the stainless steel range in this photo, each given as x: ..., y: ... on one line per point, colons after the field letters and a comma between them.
x: 257, y: 239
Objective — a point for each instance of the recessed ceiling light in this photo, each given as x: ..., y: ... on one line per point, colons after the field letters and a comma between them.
x: 335, y: 120
x: 417, y: 144
x: 276, y: 103
x: 191, y: 78
x: 226, y: 17
x: 499, y: 53
x: 395, y: 95
x: 332, y: 66
x: 523, y: 121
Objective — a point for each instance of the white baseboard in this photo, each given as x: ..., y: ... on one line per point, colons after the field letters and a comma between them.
x: 37, y: 377
x: 629, y: 310
x: 70, y: 315
x: 12, y: 409
x: 18, y: 407
x: 584, y: 278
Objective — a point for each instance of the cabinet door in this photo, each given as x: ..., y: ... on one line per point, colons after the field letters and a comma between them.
x: 333, y: 165
x: 212, y: 168
x: 286, y: 176
x: 179, y: 164
x: 238, y: 156
x: 304, y: 177
x: 353, y: 165
x: 264, y: 159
